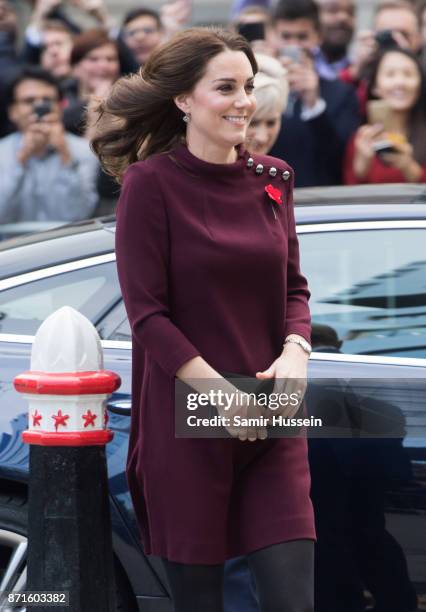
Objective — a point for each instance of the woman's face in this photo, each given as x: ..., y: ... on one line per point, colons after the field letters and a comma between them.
x: 142, y: 35
x: 221, y: 105
x: 398, y: 81
x: 101, y: 64
x: 55, y: 57
x: 263, y: 132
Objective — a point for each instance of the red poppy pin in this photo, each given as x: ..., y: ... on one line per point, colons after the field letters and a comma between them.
x: 275, y: 196
x: 274, y: 193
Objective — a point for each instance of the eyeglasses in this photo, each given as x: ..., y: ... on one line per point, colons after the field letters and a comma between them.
x: 32, y: 100
x: 142, y: 30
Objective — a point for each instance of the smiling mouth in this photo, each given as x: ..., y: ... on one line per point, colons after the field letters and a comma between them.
x: 236, y: 119
x: 399, y: 95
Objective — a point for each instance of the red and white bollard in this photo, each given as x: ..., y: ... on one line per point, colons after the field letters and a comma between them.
x: 69, y: 525
x: 67, y: 385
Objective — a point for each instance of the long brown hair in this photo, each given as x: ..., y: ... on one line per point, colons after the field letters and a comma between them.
x: 417, y: 114
x: 139, y: 117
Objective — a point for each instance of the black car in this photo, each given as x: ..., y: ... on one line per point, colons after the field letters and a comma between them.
x: 363, y: 252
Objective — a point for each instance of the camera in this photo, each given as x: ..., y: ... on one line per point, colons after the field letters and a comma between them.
x: 252, y: 31
x: 42, y: 108
x: 385, y: 39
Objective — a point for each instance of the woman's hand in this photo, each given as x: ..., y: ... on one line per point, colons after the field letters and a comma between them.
x: 404, y: 161
x: 246, y: 408
x: 203, y: 378
x: 290, y: 372
x: 364, y: 149
x: 174, y: 16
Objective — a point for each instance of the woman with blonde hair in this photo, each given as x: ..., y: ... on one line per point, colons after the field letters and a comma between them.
x: 271, y: 92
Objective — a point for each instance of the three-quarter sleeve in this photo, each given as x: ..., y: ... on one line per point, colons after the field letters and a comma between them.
x: 298, y: 318
x: 143, y: 256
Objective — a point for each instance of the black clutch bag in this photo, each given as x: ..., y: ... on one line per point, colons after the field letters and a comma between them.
x: 250, y: 384
x: 263, y: 389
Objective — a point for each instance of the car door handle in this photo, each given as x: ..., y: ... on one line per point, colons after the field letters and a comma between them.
x: 119, y: 406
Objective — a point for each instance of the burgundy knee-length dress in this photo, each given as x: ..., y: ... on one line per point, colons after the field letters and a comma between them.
x: 208, y: 265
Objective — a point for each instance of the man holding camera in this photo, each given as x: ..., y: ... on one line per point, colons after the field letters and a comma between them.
x: 322, y: 114
x: 46, y: 173
x: 395, y: 24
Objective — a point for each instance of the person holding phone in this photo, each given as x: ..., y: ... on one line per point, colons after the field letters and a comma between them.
x: 255, y: 24
x: 322, y: 114
x: 395, y: 24
x: 209, y: 269
x: 391, y: 148
x: 46, y: 173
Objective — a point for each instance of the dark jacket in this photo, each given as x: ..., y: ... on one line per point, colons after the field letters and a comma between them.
x: 315, y: 148
x: 9, y: 69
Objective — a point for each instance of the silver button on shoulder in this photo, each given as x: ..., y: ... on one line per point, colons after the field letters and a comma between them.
x: 259, y: 169
x: 250, y: 162
x: 273, y: 171
x: 286, y: 175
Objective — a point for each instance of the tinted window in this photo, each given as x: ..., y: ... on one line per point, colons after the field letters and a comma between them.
x: 123, y: 331
x: 116, y: 326
x: 92, y: 291
x: 369, y: 286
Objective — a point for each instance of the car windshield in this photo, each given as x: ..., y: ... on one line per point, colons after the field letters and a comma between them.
x: 369, y: 288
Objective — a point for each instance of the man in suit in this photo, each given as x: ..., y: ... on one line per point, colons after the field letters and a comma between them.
x: 322, y: 114
x: 337, y: 19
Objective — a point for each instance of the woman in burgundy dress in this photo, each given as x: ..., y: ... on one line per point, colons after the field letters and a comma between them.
x: 208, y: 264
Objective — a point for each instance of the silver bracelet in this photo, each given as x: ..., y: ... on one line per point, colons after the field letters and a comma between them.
x: 300, y: 341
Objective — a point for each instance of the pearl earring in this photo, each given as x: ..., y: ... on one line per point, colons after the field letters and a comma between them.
x: 186, y: 118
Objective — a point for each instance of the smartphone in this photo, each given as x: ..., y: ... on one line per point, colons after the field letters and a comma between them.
x: 379, y: 111
x: 293, y: 52
x: 42, y: 108
x: 385, y: 39
x: 382, y: 147
x: 252, y: 31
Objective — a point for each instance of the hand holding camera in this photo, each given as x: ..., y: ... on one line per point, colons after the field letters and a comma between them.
x: 301, y: 73
x: 42, y: 8
x: 44, y: 129
x: 389, y: 143
x: 392, y: 148
x: 402, y: 157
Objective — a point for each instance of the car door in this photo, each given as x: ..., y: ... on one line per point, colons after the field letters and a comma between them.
x: 368, y: 309
x: 370, y: 495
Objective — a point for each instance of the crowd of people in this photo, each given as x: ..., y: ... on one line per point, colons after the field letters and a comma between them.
x: 340, y: 106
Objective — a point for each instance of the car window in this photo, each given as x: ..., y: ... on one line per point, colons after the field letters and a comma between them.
x: 369, y: 288
x: 115, y: 326
x: 123, y: 331
x: 92, y: 291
